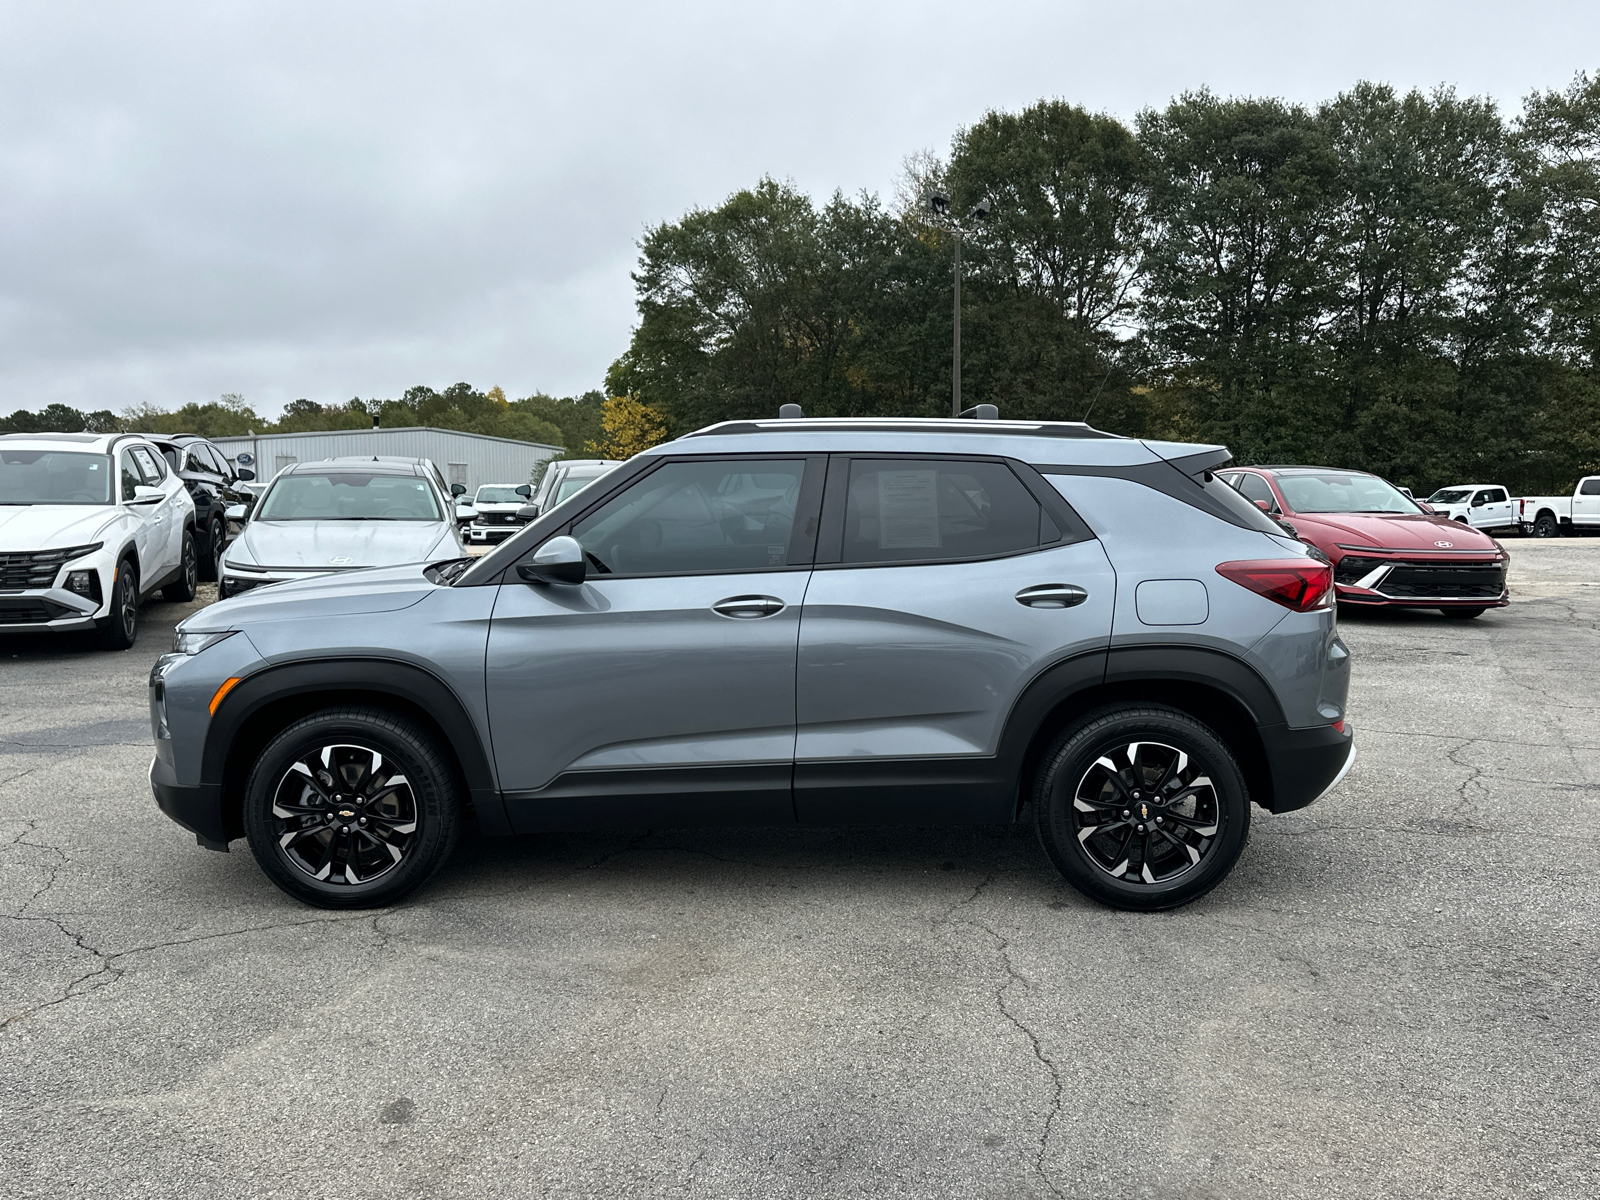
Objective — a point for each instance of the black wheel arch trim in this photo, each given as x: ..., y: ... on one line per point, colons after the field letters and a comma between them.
x: 344, y: 680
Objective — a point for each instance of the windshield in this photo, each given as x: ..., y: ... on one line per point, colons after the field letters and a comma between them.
x: 1450, y: 496
x: 498, y: 495
x: 1342, y: 492
x: 348, y: 496
x: 571, y: 486
x: 54, y: 477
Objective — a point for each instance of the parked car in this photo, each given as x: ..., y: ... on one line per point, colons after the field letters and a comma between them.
x: 563, y: 478
x: 90, y: 525
x: 496, y: 511
x: 1550, y: 516
x: 1481, y: 505
x: 323, y: 518
x: 1386, y: 551
x: 848, y: 622
x: 214, y: 484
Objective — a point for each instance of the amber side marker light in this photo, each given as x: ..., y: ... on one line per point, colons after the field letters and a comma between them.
x: 227, y: 686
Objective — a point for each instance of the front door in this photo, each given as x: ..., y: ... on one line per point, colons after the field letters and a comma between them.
x: 951, y: 587
x: 1491, y: 508
x: 149, y: 538
x: 662, y: 689
x: 1586, y: 502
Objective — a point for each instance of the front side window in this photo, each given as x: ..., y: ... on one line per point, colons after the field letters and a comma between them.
x: 132, y: 480
x: 1254, y: 488
x: 1341, y: 492
x: 53, y: 477
x: 931, y: 510
x: 349, y: 496
x: 697, y: 516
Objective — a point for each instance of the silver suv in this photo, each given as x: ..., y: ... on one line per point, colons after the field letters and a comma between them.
x: 788, y: 622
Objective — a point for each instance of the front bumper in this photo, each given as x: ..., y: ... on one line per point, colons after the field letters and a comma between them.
x: 1306, y: 764
x: 47, y: 610
x: 490, y: 534
x: 197, y: 807
x: 1422, y: 582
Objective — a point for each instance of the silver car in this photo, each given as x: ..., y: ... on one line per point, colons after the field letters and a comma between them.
x: 788, y: 622
x: 324, y: 518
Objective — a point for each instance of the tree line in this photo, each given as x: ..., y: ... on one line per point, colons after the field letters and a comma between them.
x: 1405, y: 283
x: 572, y: 422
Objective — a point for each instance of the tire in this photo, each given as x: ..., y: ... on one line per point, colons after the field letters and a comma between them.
x: 1545, y: 526
x: 216, y: 543
x: 303, y: 829
x: 1464, y: 614
x: 120, y: 627
x: 181, y: 589
x: 1153, y: 869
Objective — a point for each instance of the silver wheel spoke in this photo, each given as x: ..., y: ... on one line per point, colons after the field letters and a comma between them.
x: 1177, y: 816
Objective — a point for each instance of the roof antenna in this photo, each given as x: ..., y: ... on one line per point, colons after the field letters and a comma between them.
x: 982, y: 412
x: 790, y: 412
x: 1095, y: 398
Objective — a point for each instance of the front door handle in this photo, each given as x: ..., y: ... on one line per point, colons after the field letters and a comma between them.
x: 745, y: 608
x: 1052, y: 595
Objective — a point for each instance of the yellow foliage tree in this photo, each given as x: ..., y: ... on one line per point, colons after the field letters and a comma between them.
x: 627, y: 426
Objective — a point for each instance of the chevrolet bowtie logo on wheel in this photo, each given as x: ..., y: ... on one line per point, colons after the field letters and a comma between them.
x: 1144, y: 812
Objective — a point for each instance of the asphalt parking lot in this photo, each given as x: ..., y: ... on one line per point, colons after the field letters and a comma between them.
x: 1394, y: 994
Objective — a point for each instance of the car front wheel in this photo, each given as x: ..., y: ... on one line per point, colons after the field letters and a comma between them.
x: 120, y: 626
x: 216, y: 543
x: 1141, y: 807
x: 351, y: 808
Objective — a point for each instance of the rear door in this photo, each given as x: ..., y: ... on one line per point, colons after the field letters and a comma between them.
x: 943, y: 586
x: 170, y: 512
x: 662, y: 689
x: 1497, y: 509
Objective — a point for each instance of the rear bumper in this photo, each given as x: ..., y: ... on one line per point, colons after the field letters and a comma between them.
x: 197, y: 807
x: 1306, y: 764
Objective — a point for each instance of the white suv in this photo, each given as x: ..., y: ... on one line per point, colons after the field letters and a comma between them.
x: 90, y: 524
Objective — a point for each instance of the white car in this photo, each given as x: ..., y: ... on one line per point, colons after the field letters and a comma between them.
x: 90, y: 524
x: 494, y: 508
x: 1555, y: 516
x: 1481, y: 505
x: 320, y: 518
x: 567, y: 477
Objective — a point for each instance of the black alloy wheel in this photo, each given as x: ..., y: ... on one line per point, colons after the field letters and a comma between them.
x: 1141, y: 807
x: 216, y: 543
x: 1546, y: 526
x: 181, y: 590
x: 1464, y: 613
x: 120, y: 626
x: 351, y: 808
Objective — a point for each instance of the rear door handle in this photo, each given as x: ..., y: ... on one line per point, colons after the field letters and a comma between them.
x: 745, y: 608
x: 1052, y: 595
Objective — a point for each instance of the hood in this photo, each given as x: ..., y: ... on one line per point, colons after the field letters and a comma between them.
x: 499, y: 506
x: 348, y: 593
x: 52, y: 526
x: 340, y: 545
x: 1394, y: 531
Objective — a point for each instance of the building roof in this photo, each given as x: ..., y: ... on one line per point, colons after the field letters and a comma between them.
x: 359, y: 430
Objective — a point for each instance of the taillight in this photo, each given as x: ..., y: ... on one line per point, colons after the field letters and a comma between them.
x: 1302, y: 584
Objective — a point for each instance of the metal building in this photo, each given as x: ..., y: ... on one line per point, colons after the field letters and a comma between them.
x: 466, y: 458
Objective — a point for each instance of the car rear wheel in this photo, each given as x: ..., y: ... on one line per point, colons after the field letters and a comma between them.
x: 1463, y: 614
x: 181, y: 589
x: 216, y: 543
x: 351, y: 808
x: 1141, y: 807
x: 120, y: 626
x: 1545, y: 526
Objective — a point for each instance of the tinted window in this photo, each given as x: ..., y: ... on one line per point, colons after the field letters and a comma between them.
x: 1591, y: 487
x: 1497, y: 495
x: 703, y: 516
x: 170, y: 453
x: 131, y: 479
x: 1253, y: 487
x: 906, y: 510
x: 349, y: 496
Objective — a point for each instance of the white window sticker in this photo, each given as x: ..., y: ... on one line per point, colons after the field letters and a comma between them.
x: 908, y: 510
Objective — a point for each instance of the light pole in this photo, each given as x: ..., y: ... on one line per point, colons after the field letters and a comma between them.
x: 939, y: 206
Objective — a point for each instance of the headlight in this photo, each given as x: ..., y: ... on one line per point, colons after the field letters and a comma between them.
x: 193, y: 643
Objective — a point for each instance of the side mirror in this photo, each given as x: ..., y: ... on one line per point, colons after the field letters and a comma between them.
x: 1264, y: 505
x: 237, y: 512
x: 458, y: 489
x: 147, y: 495
x: 465, y: 512
x: 527, y: 512
x: 244, y: 473
x: 560, y: 560
x: 525, y: 491
x: 1426, y: 507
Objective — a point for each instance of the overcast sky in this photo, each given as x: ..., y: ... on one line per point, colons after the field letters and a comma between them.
x: 332, y: 199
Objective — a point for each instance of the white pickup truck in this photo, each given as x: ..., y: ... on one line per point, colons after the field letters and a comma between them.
x: 1481, y: 505
x: 1552, y: 516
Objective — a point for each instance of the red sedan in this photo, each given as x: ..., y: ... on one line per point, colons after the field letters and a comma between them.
x: 1386, y: 550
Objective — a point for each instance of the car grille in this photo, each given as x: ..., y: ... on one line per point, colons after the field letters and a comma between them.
x: 32, y: 612
x: 37, y: 568
x: 1415, y: 581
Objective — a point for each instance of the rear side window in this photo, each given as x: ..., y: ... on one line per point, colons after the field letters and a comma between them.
x: 1235, y: 502
x: 1591, y: 487
x: 932, y: 510
x: 154, y: 470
